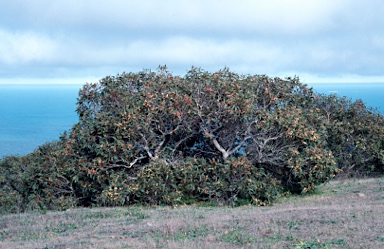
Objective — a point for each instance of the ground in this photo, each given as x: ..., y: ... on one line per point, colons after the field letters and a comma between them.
x: 341, y: 214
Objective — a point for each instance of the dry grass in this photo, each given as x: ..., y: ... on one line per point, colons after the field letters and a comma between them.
x: 346, y: 214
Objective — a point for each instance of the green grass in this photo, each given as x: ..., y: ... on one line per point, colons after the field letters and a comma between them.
x: 339, y: 215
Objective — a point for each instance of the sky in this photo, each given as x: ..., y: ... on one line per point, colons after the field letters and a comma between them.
x: 78, y: 41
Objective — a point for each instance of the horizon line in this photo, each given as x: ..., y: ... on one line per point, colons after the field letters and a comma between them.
x: 304, y: 78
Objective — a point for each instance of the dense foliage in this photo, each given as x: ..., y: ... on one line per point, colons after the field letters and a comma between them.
x: 156, y: 138
x: 355, y: 135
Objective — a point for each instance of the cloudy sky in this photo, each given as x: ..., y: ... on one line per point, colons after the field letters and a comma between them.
x: 78, y: 41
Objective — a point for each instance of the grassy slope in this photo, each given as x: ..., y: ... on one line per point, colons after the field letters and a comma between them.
x: 346, y: 214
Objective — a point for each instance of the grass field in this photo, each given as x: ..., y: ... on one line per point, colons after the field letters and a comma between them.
x: 342, y: 214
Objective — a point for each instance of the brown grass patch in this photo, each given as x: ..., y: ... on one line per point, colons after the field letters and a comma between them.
x: 346, y: 214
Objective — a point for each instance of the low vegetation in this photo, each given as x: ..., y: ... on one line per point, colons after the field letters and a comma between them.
x: 341, y: 214
x: 152, y: 138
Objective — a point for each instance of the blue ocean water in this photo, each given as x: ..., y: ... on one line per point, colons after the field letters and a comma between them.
x: 31, y: 115
x: 372, y: 94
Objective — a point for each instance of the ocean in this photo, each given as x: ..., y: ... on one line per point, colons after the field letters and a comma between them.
x: 371, y: 93
x: 31, y: 115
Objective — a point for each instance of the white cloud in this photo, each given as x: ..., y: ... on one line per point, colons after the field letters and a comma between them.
x: 227, y: 16
x: 320, y: 37
x: 178, y: 52
x: 24, y: 48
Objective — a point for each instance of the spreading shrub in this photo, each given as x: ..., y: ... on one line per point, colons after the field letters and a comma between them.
x: 355, y: 134
x: 155, y: 138
x: 37, y: 181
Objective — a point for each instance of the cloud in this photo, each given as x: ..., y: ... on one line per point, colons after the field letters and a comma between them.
x: 324, y: 38
x: 22, y: 48
x: 188, y: 16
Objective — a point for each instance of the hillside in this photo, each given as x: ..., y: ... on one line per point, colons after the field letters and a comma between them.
x: 341, y: 214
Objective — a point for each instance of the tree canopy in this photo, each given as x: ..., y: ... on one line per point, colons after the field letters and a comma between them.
x: 152, y: 137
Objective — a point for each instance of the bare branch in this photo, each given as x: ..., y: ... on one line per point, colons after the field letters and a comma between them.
x: 146, y: 147
x: 157, y: 150
x: 154, y: 156
x: 126, y: 166
x: 239, y: 145
x: 220, y: 148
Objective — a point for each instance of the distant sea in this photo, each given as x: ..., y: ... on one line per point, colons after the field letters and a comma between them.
x: 31, y: 115
x: 372, y: 94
